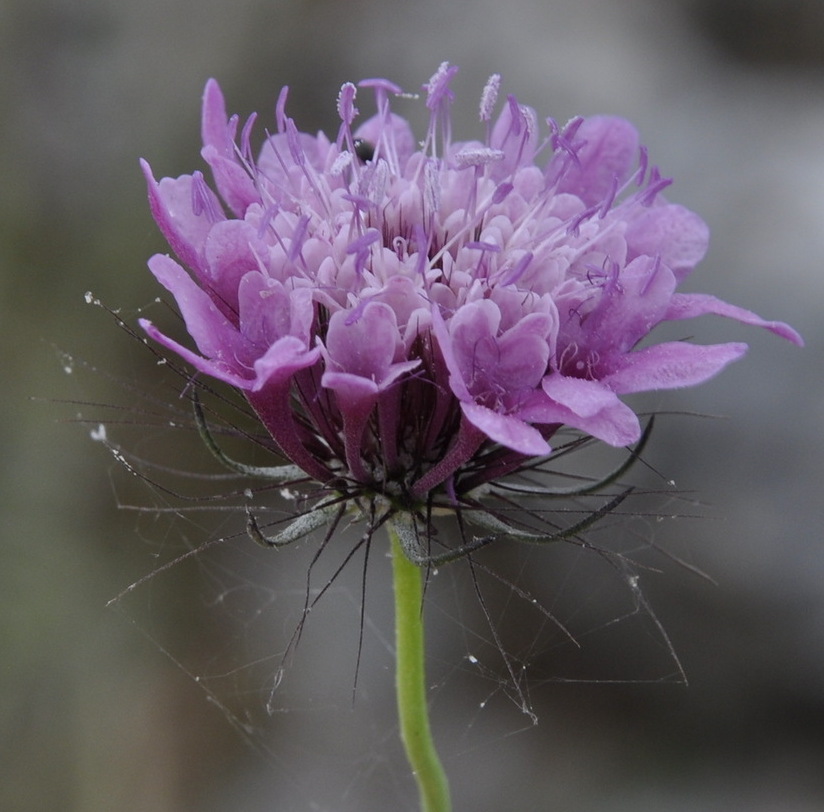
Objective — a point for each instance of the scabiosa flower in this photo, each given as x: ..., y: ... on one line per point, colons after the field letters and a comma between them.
x: 413, y: 321
x: 395, y: 310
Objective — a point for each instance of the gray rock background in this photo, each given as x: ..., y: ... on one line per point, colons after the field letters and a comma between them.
x: 158, y: 703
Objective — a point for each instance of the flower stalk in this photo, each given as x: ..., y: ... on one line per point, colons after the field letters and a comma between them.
x: 410, y: 682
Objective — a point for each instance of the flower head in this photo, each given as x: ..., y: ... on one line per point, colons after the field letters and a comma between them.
x: 394, y: 310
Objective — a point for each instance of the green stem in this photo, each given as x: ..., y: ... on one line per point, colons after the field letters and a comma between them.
x: 411, y: 682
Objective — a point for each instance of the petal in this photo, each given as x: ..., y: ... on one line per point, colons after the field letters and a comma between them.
x: 508, y: 430
x: 584, y: 398
x: 670, y: 365
x: 171, y: 203
x: 629, y: 306
x: 216, y: 337
x: 445, y: 345
x: 233, y: 181
x: 585, y: 405
x: 350, y: 389
x: 232, y: 249
x: 265, y: 309
x: 363, y: 344
x: 515, y: 134
x: 607, y: 154
x: 214, y: 127
x: 285, y: 357
x: 675, y: 234
x: 690, y: 305
x: 472, y: 331
x: 216, y: 369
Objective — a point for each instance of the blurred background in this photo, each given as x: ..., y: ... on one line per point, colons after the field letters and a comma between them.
x: 171, y: 698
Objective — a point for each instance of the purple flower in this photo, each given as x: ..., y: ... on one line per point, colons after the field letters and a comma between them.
x: 395, y: 310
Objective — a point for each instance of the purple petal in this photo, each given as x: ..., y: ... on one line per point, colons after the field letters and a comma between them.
x: 515, y: 134
x: 523, y: 354
x: 232, y: 250
x: 350, y: 389
x: 216, y: 369
x: 285, y: 357
x: 365, y: 346
x: 690, y: 305
x: 508, y: 430
x: 172, y: 208
x: 472, y: 331
x: 361, y: 352
x: 675, y: 234
x: 628, y: 307
x: 584, y: 398
x: 445, y: 345
x: 216, y: 337
x: 265, y: 309
x: 608, y: 152
x: 214, y: 127
x: 233, y: 181
x: 670, y: 366
x: 585, y: 405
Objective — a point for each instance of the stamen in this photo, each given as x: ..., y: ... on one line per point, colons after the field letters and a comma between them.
x: 656, y: 184
x: 476, y: 156
x: 361, y: 248
x: 431, y: 192
x: 340, y: 163
x: 298, y: 237
x: 490, y: 96
x: 203, y: 202
x: 643, y: 162
x: 437, y: 88
x: 280, y: 108
x: 293, y: 140
x: 575, y: 222
x: 438, y: 98
x: 245, y: 142
x: 346, y: 103
x: 519, y: 269
x: 609, y: 199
